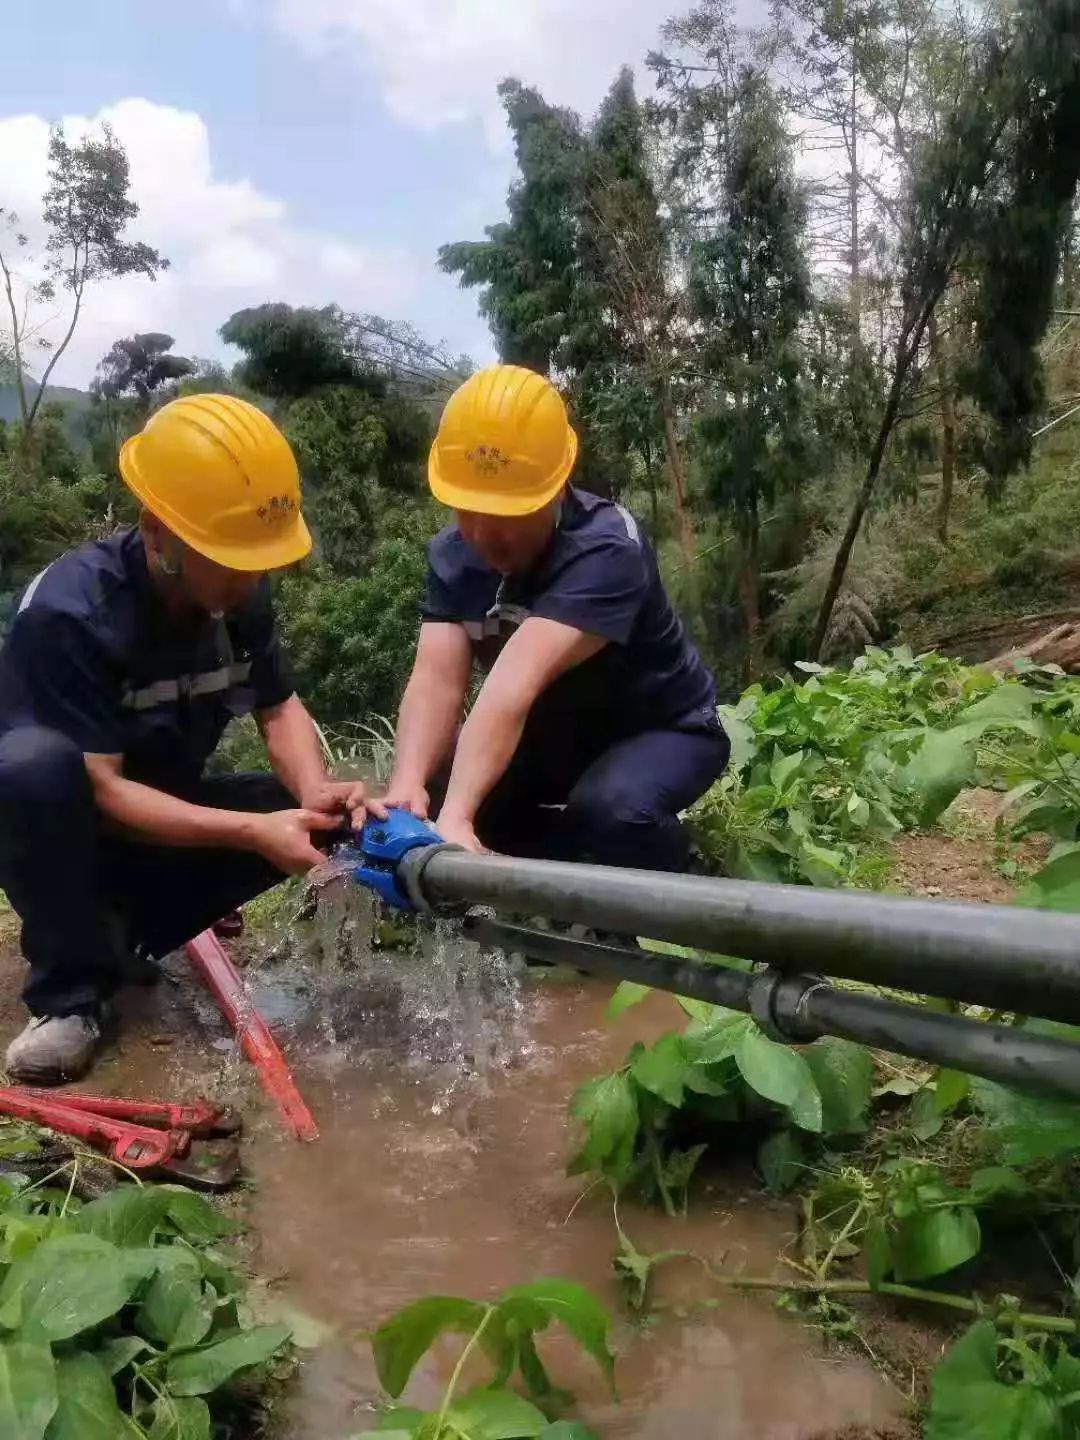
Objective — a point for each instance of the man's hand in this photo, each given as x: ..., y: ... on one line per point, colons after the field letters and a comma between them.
x: 402, y: 795
x: 284, y: 837
x: 343, y: 798
x: 457, y: 831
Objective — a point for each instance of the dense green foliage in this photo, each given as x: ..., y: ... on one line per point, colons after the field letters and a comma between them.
x: 828, y: 767
x: 904, y: 1175
x: 118, y: 1317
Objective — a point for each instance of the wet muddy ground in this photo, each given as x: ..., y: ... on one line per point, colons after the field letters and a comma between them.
x: 441, y: 1088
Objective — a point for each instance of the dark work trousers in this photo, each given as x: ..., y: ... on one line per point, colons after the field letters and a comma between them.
x: 572, y: 794
x: 89, y: 899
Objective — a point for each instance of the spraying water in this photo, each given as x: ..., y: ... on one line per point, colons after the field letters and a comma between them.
x: 362, y: 988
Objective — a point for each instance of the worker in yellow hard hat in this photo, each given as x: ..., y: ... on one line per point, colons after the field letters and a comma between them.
x: 596, y: 721
x: 124, y: 663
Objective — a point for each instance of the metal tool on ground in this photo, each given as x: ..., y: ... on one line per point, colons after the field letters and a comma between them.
x: 1015, y: 961
x: 201, y: 1118
x: 223, y: 980
x: 155, y: 1140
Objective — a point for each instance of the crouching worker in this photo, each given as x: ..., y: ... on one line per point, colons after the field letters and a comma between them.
x: 123, y: 664
x: 596, y: 722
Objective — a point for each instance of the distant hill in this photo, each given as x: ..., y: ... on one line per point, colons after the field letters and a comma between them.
x: 73, y: 401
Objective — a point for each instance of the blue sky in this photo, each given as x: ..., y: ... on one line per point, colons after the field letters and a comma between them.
x: 306, y: 150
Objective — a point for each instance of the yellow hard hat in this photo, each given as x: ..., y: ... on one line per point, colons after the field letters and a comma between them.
x: 505, y: 445
x: 221, y: 476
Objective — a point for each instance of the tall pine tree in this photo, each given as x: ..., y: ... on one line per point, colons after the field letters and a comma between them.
x: 750, y: 293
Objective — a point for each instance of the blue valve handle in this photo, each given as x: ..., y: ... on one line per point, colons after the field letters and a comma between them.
x: 382, y: 845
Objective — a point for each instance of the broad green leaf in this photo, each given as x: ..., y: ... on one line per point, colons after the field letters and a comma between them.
x: 706, y: 1080
x: 198, y: 1372
x: 858, y: 811
x: 567, y: 1430
x: 782, y: 1161
x: 127, y: 1216
x: 69, y: 1284
x: 822, y: 865
x: 968, y: 1401
x: 973, y: 1358
x: 934, y: 1242
x: 118, y: 1353
x: 176, y: 1419
x: 699, y: 1010
x: 537, y: 1380
x: 497, y: 1415
x: 87, y: 1407
x: 627, y: 994
x: 177, y: 1309
x: 940, y: 769
x: 1005, y: 705
x: 1066, y: 1376
x: 28, y: 1396
x: 722, y: 1039
x: 781, y: 1075
x: 194, y: 1216
x: 926, y: 1119
x: 661, y: 1069
x: 950, y: 1088
x: 784, y: 769
x: 1056, y: 886
x: 576, y: 1310
x: 741, y: 734
x: 608, y: 1107
x: 1031, y: 1127
x: 400, y: 1341
x: 844, y: 1075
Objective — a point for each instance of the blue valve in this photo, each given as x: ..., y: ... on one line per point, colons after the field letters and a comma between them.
x: 382, y: 844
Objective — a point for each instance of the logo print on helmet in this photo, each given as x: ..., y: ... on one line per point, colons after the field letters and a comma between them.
x: 277, y: 509
x: 488, y: 460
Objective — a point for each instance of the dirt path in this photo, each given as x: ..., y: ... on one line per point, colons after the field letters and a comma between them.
x: 965, y: 860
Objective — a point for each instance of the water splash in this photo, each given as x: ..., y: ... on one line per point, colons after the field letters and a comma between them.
x: 360, y: 987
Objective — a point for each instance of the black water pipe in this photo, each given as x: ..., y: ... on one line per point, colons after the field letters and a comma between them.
x: 799, y: 1008
x: 1027, y: 961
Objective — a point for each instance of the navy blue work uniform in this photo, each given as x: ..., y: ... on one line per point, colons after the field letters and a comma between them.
x: 93, y: 664
x: 617, y: 746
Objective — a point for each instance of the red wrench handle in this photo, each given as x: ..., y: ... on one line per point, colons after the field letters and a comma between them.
x: 199, y: 1118
x: 136, y: 1146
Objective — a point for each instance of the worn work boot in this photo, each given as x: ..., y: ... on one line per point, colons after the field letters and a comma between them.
x: 53, y: 1048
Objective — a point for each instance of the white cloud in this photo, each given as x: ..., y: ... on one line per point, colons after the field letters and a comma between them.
x: 229, y: 244
x: 439, y: 61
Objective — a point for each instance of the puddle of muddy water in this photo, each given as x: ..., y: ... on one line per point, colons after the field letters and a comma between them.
x: 441, y: 1084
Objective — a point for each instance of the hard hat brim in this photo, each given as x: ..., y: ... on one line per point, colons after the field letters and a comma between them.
x: 277, y: 552
x: 483, y: 501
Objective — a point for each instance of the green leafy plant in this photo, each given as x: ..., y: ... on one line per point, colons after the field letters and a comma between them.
x: 503, y: 1330
x: 648, y: 1124
x: 1005, y: 1387
x: 117, y: 1318
x: 819, y: 779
